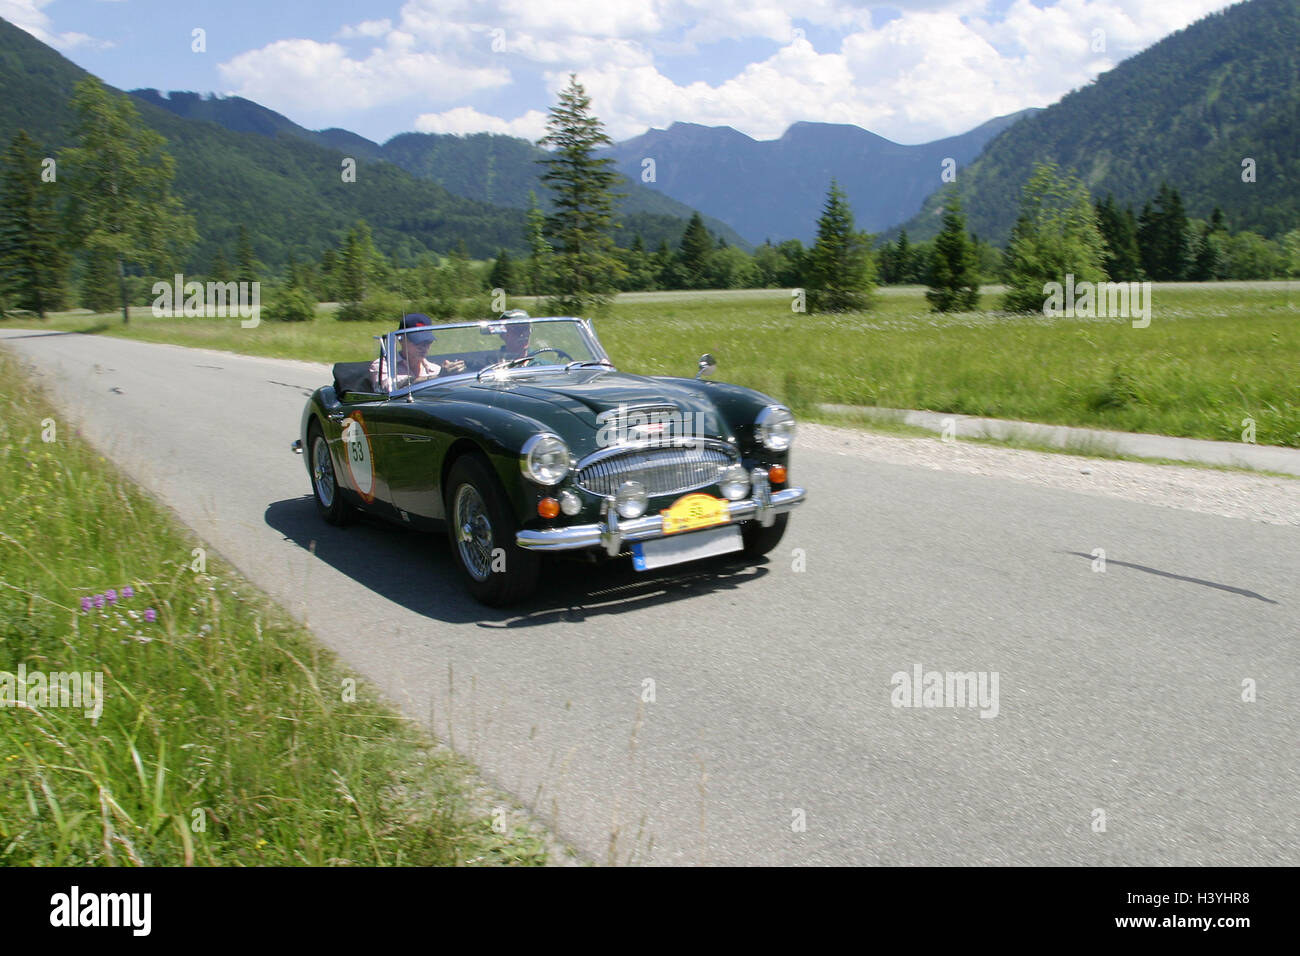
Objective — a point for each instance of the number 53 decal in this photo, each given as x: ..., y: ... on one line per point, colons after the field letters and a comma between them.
x: 358, y: 456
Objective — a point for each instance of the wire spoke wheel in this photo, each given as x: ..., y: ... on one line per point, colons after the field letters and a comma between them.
x: 322, y: 471
x: 481, y: 527
x: 473, y: 530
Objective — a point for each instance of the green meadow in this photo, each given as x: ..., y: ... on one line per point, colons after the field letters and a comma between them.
x: 1214, y: 354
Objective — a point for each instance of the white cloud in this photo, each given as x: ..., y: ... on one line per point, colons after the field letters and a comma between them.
x: 465, y: 119
x: 366, y: 28
x: 30, y: 15
x: 936, y: 68
x: 592, y: 18
x: 310, y: 76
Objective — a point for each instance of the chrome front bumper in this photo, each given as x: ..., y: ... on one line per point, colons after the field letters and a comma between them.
x: 611, y: 534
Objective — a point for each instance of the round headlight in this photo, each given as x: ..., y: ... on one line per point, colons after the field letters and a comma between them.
x: 734, y: 482
x: 631, y: 499
x: 545, y: 459
x: 570, y: 503
x: 775, y: 427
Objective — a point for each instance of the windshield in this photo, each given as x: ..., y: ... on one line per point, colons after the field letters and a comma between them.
x: 503, y: 345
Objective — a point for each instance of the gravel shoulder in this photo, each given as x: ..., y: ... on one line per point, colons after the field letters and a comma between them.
x: 1228, y: 494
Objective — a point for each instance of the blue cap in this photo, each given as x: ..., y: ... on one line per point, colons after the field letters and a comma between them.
x: 415, y: 320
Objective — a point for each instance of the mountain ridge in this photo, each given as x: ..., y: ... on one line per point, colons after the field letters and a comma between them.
x: 728, y: 174
x: 1188, y: 111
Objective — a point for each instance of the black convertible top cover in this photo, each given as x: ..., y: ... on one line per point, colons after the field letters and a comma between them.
x: 352, y: 377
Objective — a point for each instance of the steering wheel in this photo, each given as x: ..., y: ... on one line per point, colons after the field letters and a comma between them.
x: 548, y: 348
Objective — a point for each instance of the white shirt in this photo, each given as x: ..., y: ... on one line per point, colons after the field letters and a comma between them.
x: 427, y: 370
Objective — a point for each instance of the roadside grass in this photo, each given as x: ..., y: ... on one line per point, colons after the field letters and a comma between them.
x: 1213, y: 356
x: 225, y: 737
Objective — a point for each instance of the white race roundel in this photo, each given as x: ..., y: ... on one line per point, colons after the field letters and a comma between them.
x: 356, y: 451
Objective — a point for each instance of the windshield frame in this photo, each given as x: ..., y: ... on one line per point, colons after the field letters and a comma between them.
x: 388, y: 345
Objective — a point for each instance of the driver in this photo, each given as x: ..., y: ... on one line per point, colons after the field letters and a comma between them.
x: 413, y: 364
x: 515, y: 337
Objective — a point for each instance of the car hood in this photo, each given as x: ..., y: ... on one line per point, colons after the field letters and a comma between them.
x: 594, y: 395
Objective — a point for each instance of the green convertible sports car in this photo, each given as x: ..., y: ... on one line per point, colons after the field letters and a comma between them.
x: 520, y: 437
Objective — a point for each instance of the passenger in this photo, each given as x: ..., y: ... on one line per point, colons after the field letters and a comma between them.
x: 413, y: 355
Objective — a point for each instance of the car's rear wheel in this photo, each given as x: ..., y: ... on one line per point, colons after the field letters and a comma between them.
x: 324, y: 481
x: 482, y: 527
x: 759, y: 540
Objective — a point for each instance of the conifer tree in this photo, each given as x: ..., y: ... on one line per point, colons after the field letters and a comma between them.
x: 33, y: 263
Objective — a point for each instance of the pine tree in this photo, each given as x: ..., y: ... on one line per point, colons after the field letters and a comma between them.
x: 32, y: 261
x: 1122, y: 261
x: 539, y: 250
x: 352, y: 277
x: 1055, y: 236
x: 502, y: 275
x: 120, y: 178
x: 665, y: 267
x: 1209, y: 249
x: 694, y: 251
x: 220, y: 271
x: 636, y: 261
x: 954, y: 268
x: 886, y: 264
x: 904, y: 260
x: 245, y: 262
x: 1163, y: 236
x: 329, y: 269
x: 840, y: 272
x: 586, y: 268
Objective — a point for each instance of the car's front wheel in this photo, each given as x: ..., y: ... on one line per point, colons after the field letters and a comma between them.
x: 759, y: 540
x: 324, y: 482
x: 482, y: 529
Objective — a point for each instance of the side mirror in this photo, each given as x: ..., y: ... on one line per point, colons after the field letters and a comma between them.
x: 707, y: 365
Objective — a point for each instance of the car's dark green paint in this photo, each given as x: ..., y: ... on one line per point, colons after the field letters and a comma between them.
x: 415, y: 440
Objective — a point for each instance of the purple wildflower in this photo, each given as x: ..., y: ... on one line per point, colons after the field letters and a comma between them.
x: 150, y: 615
x: 128, y: 592
x: 87, y: 604
x: 99, y: 600
x: 110, y: 596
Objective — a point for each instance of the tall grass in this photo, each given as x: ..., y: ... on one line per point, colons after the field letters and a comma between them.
x: 224, y: 737
x: 1213, y: 356
x: 1210, y: 359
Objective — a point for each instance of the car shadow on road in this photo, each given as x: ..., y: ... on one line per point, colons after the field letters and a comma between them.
x: 416, y: 571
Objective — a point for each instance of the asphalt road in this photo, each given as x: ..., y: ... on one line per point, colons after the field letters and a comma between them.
x: 1118, y: 693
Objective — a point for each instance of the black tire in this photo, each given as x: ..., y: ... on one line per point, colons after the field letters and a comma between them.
x: 759, y: 540
x: 324, y: 479
x: 479, y: 521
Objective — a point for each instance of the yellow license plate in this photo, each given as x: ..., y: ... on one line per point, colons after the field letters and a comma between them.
x: 693, y: 512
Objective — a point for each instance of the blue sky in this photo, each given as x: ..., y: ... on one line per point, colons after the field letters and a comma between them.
x: 912, y: 70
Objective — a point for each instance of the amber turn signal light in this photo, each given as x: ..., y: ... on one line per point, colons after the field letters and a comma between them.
x: 776, y: 474
x: 548, y: 507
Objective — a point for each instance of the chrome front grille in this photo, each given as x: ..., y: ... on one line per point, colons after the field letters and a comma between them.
x: 663, y: 471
